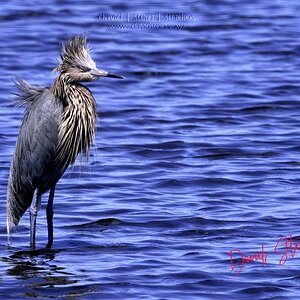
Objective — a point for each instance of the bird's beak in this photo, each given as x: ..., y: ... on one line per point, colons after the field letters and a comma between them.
x: 101, y: 73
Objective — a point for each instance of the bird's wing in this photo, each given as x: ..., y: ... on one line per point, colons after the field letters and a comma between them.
x: 34, y: 152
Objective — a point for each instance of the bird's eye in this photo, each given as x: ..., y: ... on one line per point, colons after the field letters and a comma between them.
x: 84, y: 69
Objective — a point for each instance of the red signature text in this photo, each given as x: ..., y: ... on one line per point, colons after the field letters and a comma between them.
x: 286, y: 247
x: 238, y: 266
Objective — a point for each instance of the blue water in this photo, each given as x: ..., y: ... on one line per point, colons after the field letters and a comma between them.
x: 196, y: 153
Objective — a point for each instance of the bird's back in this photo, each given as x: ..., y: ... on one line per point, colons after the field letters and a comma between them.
x: 33, y: 165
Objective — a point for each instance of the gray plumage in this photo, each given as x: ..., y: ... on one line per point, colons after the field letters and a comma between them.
x: 59, y: 123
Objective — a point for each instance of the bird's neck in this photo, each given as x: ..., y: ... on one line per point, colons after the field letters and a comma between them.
x: 78, y: 120
x: 61, y: 88
x: 72, y: 94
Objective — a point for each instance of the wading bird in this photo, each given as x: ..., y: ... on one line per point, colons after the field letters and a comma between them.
x: 59, y: 123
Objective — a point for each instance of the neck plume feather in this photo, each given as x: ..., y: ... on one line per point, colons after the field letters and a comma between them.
x: 78, y: 121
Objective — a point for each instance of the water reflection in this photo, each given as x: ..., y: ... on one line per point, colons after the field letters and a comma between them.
x: 38, y: 276
x: 37, y: 263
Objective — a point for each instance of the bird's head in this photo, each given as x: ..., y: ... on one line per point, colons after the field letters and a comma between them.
x: 77, y: 63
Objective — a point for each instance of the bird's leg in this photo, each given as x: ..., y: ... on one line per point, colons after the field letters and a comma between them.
x: 34, y: 208
x: 50, y: 213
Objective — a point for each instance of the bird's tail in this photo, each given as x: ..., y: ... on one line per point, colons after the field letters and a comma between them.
x: 9, y: 216
x: 14, y: 207
x: 18, y: 201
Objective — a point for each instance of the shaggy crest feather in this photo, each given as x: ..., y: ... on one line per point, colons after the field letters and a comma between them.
x: 74, y: 53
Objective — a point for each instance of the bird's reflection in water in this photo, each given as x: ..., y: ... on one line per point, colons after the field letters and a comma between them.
x: 38, y: 264
x: 42, y: 278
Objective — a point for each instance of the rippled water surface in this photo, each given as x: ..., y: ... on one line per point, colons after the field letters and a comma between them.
x: 196, y: 159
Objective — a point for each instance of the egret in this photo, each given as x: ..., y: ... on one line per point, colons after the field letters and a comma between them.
x: 58, y: 124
